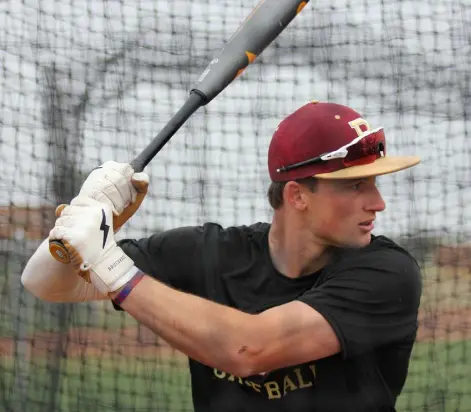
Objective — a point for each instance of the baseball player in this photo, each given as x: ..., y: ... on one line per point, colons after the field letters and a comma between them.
x: 311, y: 312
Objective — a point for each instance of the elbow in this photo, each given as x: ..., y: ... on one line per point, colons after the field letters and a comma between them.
x: 247, y: 363
x: 49, y: 280
x: 36, y: 284
x: 28, y: 282
x: 33, y: 280
x: 247, y: 356
x: 32, y: 286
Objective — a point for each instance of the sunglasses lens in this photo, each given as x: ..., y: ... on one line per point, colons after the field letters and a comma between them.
x: 367, y: 150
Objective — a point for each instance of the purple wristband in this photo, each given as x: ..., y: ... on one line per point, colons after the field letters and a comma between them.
x: 126, y: 290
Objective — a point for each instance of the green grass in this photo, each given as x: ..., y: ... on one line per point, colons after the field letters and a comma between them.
x: 439, y: 380
x: 38, y: 316
x: 103, y: 385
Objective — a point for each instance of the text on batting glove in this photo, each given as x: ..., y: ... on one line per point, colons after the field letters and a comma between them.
x: 86, y: 228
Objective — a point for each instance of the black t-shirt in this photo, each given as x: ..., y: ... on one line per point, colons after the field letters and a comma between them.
x: 370, y: 296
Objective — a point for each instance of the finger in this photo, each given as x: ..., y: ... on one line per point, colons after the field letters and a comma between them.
x: 83, y: 208
x: 78, y: 203
x: 123, y: 168
x: 57, y: 233
x: 67, y: 221
x: 110, y: 186
x: 99, y: 196
x: 107, y: 192
x: 120, y: 191
x: 140, y: 182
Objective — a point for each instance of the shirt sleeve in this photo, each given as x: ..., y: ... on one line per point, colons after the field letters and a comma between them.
x: 172, y: 257
x: 371, y: 300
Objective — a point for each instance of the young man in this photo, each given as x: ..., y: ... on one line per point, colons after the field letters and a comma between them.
x: 309, y: 313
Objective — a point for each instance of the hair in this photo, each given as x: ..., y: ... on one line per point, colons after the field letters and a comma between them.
x: 275, y: 191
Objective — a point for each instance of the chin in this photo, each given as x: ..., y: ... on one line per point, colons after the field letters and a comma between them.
x: 357, y: 242
x: 365, y: 241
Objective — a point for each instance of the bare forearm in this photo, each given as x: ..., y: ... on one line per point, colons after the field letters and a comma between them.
x: 213, y: 334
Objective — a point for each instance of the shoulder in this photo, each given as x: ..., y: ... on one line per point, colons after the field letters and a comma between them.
x: 384, y: 251
x: 180, y: 235
x: 384, y: 243
x: 382, y: 263
x: 209, y: 233
x: 238, y: 233
x: 381, y: 252
x: 234, y: 239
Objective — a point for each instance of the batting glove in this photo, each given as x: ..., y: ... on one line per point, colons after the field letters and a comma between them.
x: 86, y: 229
x: 116, y: 185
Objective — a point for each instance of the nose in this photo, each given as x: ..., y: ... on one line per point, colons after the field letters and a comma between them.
x: 375, y: 201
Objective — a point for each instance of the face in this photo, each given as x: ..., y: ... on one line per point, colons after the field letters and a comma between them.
x: 342, y: 212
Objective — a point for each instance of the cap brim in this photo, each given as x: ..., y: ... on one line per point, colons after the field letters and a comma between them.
x: 381, y: 166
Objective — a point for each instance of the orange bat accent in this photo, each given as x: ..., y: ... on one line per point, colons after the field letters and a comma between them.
x: 251, y: 57
x: 301, y: 6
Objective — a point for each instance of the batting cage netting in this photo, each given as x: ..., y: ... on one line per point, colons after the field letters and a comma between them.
x: 83, y: 82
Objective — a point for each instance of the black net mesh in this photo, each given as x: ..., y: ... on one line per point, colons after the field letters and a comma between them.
x: 83, y: 82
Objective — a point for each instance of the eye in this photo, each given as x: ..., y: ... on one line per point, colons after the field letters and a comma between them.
x: 357, y: 185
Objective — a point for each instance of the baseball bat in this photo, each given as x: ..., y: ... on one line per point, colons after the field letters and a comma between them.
x: 268, y: 19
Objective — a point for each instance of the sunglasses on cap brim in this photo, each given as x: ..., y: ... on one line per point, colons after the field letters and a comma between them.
x: 364, y: 149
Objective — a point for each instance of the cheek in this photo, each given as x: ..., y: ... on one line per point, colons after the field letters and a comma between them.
x: 335, y: 217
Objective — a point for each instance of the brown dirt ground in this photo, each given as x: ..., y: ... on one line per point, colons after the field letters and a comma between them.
x: 139, y: 341
x: 450, y: 325
x: 135, y: 341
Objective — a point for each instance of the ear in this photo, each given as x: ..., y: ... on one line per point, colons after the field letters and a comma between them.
x: 295, y: 195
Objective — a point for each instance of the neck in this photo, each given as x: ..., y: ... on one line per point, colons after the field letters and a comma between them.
x: 295, y: 250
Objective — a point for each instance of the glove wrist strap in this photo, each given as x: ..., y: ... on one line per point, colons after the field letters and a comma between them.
x: 113, y: 271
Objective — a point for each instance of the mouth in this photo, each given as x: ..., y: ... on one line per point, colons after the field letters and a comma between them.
x: 367, y: 225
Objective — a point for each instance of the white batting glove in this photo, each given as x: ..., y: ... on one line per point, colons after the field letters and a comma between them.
x: 116, y: 185
x: 86, y: 229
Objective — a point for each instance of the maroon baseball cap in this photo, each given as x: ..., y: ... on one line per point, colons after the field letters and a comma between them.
x: 330, y: 141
